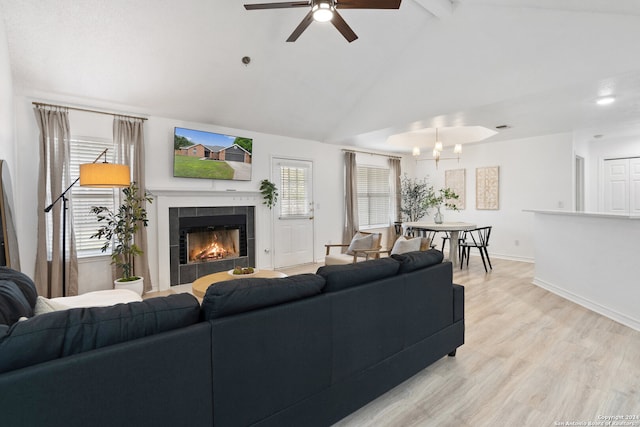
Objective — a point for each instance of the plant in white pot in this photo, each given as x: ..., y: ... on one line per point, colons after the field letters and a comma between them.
x: 118, y: 229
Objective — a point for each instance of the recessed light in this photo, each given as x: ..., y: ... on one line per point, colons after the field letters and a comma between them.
x: 606, y: 100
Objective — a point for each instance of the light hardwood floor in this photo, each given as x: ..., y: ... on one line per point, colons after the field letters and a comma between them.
x: 530, y: 358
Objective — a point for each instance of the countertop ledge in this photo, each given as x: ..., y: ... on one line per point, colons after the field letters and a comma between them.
x: 583, y: 214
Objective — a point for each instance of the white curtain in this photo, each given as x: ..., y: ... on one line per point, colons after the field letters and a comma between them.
x: 128, y: 139
x: 53, y: 179
x: 351, y: 197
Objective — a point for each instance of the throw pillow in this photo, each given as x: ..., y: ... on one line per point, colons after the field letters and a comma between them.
x: 360, y: 243
x: 403, y: 245
x: 46, y: 305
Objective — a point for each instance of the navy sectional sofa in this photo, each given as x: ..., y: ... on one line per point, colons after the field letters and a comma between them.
x: 302, y: 350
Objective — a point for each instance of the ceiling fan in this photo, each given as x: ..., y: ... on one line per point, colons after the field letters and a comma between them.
x: 327, y: 10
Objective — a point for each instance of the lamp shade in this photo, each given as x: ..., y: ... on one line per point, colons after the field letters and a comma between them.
x: 104, y: 175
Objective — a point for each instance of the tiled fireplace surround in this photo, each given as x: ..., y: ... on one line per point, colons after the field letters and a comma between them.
x: 200, y: 200
x: 187, y: 273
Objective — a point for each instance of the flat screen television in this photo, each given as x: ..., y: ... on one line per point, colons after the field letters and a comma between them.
x: 209, y: 155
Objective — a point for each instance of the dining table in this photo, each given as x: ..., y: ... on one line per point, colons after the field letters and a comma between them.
x: 454, y: 228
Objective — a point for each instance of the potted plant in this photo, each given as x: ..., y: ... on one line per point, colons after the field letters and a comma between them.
x: 418, y: 196
x: 118, y: 229
x: 414, y: 196
x: 269, y: 193
x: 439, y: 198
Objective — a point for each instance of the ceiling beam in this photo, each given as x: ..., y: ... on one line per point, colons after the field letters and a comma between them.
x: 438, y: 8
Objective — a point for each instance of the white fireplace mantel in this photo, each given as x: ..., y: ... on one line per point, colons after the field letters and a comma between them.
x: 165, y: 198
x: 181, y: 192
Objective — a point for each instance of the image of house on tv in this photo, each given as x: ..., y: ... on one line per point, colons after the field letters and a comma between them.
x: 212, y: 146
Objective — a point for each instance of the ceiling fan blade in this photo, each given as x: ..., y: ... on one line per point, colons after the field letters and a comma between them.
x: 368, y: 4
x: 343, y: 27
x: 281, y: 5
x: 301, y: 27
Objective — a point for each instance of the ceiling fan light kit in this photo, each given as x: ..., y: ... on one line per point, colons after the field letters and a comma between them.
x: 327, y: 11
x: 322, y: 11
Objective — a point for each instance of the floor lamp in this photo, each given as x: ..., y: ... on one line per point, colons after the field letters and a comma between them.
x: 100, y: 175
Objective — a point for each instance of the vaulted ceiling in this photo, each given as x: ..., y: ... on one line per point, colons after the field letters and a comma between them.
x: 535, y: 65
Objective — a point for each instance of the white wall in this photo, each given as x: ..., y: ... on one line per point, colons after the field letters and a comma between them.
x: 535, y: 173
x: 328, y: 178
x: 602, y: 277
x: 7, y: 151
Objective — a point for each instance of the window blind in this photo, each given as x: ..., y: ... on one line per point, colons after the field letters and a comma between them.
x: 373, y: 196
x: 294, y: 197
x: 84, y: 150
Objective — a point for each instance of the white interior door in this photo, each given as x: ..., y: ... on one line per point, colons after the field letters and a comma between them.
x: 616, y: 186
x: 634, y: 185
x: 293, y: 219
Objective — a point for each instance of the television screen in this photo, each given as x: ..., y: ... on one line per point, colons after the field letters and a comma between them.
x: 200, y: 154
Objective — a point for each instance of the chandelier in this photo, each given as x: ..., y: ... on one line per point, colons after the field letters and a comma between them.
x: 437, y: 151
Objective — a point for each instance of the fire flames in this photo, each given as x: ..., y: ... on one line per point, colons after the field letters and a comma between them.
x: 212, y: 251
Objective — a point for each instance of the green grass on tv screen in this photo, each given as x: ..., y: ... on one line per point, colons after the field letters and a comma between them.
x: 193, y: 167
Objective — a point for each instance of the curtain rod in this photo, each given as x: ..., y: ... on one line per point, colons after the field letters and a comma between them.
x: 40, y: 104
x: 373, y: 154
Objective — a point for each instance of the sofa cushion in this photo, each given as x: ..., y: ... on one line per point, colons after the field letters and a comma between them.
x: 62, y: 333
x: 17, y: 296
x: 244, y: 294
x: 420, y: 259
x: 340, y: 277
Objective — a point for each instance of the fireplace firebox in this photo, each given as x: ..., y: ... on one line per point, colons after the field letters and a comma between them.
x: 209, y: 240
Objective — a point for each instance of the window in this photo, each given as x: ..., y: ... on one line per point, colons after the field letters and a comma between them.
x: 373, y: 196
x: 85, y: 150
x: 294, y: 192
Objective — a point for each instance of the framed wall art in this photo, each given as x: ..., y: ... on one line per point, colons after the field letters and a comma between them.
x: 487, y: 188
x: 455, y: 179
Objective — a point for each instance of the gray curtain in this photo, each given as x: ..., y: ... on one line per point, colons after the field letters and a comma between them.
x: 396, y: 195
x: 128, y: 139
x: 53, y: 179
x: 351, y: 224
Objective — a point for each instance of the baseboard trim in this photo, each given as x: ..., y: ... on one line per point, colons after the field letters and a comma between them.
x: 587, y: 303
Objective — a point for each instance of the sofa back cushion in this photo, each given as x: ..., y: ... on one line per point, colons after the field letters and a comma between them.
x: 62, y: 333
x: 245, y: 294
x: 412, y: 261
x: 340, y: 277
x: 17, y: 296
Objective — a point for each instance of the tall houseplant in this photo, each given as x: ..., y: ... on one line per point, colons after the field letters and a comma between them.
x: 120, y: 226
x: 414, y: 196
x: 418, y: 197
